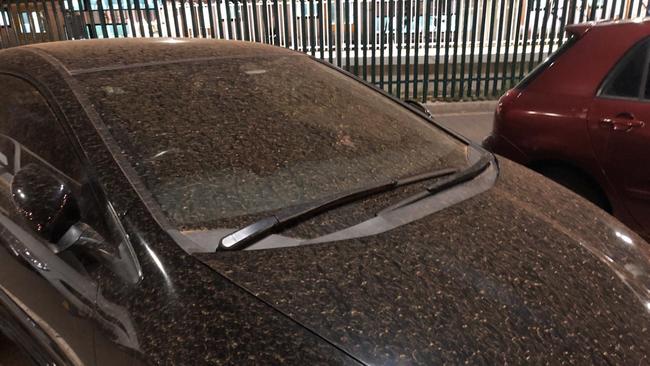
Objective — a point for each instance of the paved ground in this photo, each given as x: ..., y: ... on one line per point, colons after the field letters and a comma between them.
x: 471, y: 119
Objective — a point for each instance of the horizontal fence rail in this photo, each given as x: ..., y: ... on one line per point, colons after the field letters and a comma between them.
x: 415, y: 49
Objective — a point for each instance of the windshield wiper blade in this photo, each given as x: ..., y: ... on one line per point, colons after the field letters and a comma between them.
x: 259, y: 229
x: 455, y: 179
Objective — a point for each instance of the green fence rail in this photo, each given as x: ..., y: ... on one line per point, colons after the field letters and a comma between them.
x: 417, y: 49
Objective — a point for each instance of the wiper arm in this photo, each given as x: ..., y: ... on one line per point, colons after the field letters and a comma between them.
x: 259, y: 229
x: 458, y: 178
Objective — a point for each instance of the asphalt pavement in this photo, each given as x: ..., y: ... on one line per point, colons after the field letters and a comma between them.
x: 470, y: 119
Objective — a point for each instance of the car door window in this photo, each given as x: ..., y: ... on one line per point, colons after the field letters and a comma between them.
x: 44, y: 187
x: 625, y: 80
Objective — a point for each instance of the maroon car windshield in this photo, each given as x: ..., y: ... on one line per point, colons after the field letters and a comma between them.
x: 225, y: 138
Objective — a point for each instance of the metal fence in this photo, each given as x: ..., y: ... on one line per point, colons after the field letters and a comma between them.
x: 418, y: 49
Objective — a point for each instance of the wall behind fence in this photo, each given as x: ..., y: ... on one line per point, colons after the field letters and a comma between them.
x: 418, y: 49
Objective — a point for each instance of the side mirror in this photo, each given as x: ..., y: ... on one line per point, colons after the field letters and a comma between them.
x: 419, y: 106
x: 45, y: 201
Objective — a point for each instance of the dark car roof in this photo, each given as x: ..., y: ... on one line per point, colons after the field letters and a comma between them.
x: 91, y: 55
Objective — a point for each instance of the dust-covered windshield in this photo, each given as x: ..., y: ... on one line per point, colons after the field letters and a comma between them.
x: 215, y: 140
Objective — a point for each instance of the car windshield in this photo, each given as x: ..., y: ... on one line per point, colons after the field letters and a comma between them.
x: 218, y: 140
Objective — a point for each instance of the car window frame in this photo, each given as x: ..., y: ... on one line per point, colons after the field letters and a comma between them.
x: 616, y: 68
x: 99, y: 197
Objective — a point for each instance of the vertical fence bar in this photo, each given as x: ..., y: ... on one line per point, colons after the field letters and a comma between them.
x: 629, y: 10
x: 408, y: 50
x: 12, y: 33
x: 564, y: 21
x: 500, y: 25
x: 364, y: 37
x: 347, y: 34
x: 238, y: 23
x: 272, y: 22
x: 438, y: 38
x: 111, y: 11
x: 129, y: 15
x: 222, y: 34
x: 448, y: 20
x: 479, y: 67
x: 355, y: 9
x: 373, y: 11
x: 461, y: 89
x: 139, y: 16
x: 513, y: 68
x: 138, y: 12
x: 5, y: 41
x: 102, y: 18
x: 339, y: 37
x: 621, y: 10
x: 509, y: 21
x: 470, y: 71
x: 399, y: 11
x: 555, y: 10
x: 228, y: 18
x: 67, y: 27
x: 276, y: 22
x: 15, y: 21
x: 147, y: 13
x: 488, y: 64
x: 592, y: 12
x: 312, y: 28
x: 157, y: 15
x: 125, y: 29
x: 533, y: 45
x: 202, y: 31
x: 382, y: 36
x: 213, y: 30
x: 303, y: 26
x: 321, y: 29
x: 427, y: 43
x: 284, y: 25
x: 391, y: 35
x: 454, y: 71
x: 254, y: 20
x: 543, y: 33
x: 265, y: 21
x: 49, y: 30
x: 57, y: 14
x: 330, y: 33
x: 30, y: 23
x: 246, y: 20
x: 418, y: 10
x: 522, y: 65
x: 83, y: 11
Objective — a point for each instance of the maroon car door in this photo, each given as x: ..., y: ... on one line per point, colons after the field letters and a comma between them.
x: 619, y: 123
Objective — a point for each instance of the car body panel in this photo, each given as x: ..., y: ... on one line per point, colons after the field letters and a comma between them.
x: 527, y: 249
x: 181, y: 311
x: 622, y: 153
x: 548, y: 120
x: 457, y: 285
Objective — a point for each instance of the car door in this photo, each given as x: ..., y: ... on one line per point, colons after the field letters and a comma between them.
x: 57, y: 236
x: 619, y: 120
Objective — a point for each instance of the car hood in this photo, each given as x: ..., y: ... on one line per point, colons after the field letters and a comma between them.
x: 524, y: 271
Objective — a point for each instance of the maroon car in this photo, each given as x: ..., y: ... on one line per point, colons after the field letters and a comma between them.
x: 581, y: 117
